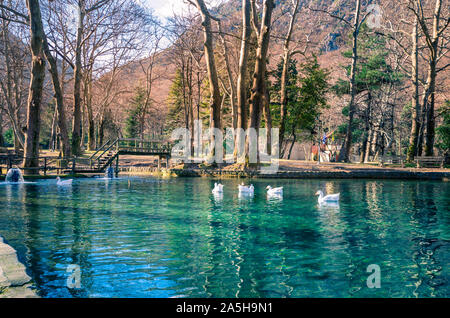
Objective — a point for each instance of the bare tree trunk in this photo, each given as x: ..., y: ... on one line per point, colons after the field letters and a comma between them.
x: 101, y: 131
x: 368, y: 146
x: 2, y: 139
x: 11, y: 90
x: 293, y: 143
x: 421, y: 137
x: 284, y: 74
x: 183, y: 84
x: 344, y: 155
x: 362, y: 157
x: 215, y: 106
x: 242, y: 76
x: 267, y: 119
x: 412, y: 149
x: 283, y: 98
x: 31, y: 155
x: 190, y: 102
x: 431, y: 122
x: 59, y: 110
x: 53, y: 132
x: 374, y: 144
x: 432, y: 40
x: 90, y: 113
x: 230, y: 78
x: 77, y: 116
x: 257, y: 92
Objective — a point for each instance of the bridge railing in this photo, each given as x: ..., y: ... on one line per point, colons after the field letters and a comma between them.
x: 144, y: 146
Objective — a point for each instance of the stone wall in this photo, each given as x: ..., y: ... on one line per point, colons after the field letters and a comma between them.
x: 14, y: 281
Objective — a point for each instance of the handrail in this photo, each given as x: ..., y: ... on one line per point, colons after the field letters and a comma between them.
x: 143, y: 140
x: 106, y: 150
x: 99, y: 149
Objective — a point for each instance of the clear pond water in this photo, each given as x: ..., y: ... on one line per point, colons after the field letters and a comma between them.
x: 173, y: 238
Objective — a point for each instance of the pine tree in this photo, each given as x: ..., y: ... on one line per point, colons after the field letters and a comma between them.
x: 373, y: 73
x: 134, y: 120
x: 443, y: 131
x: 306, y: 96
x: 175, y: 117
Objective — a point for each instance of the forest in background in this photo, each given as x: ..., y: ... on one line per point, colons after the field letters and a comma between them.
x: 75, y: 74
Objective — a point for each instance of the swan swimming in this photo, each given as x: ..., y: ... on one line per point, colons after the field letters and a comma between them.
x: 63, y: 182
x: 327, y: 198
x: 246, y: 189
x: 274, y: 191
x: 218, y: 188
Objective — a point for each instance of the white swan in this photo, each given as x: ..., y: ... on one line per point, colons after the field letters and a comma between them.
x: 218, y: 188
x: 63, y: 182
x: 274, y: 191
x: 327, y: 198
x: 246, y: 189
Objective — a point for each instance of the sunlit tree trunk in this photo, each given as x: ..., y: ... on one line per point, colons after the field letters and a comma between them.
x: 77, y: 116
x: 215, y: 104
x: 415, y: 109
x: 365, y: 151
x: 257, y: 92
x: 242, y: 76
x: 11, y: 87
x: 90, y: 112
x: 59, y: 109
x: 267, y: 119
x: 230, y: 78
x: 2, y: 139
x: 433, y: 39
x: 284, y: 74
x: 431, y: 122
x: 344, y: 155
x: 31, y: 151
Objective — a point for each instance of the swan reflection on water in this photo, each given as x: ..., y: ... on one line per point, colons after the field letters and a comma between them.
x: 245, y: 196
x: 274, y: 198
x: 218, y: 197
x: 329, y: 207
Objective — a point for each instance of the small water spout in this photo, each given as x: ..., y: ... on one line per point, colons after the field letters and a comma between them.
x: 109, y: 173
x: 14, y: 175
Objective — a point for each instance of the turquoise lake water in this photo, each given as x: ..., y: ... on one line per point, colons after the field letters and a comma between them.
x: 173, y: 238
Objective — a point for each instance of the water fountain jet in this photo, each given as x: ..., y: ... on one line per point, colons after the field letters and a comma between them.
x: 109, y: 173
x: 14, y: 175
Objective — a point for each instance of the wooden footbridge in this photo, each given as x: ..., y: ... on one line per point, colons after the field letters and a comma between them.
x: 109, y: 153
x: 105, y: 156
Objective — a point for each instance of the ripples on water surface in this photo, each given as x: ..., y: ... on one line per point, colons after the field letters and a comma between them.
x: 173, y: 238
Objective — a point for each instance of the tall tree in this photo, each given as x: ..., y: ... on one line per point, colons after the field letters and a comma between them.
x: 81, y: 38
x: 76, y: 121
x: 308, y: 101
x: 345, y: 151
x: 215, y: 106
x: 242, y: 76
x: 284, y: 76
x: 14, y: 80
x: 231, y: 84
x: 259, y: 79
x: 31, y: 151
x: 434, y: 40
x: 415, y: 123
x: 60, y: 110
